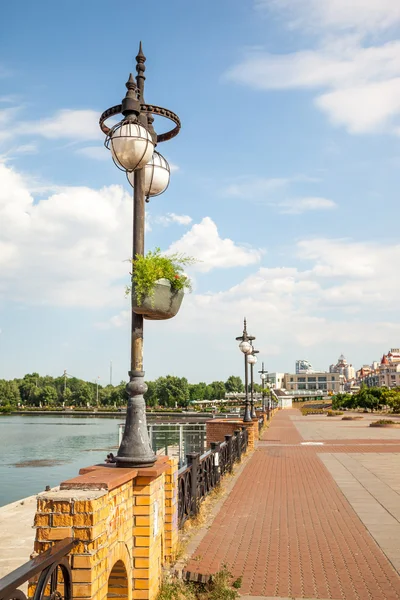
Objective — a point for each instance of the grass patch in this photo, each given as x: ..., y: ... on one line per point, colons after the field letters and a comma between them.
x: 221, y: 586
x: 383, y: 422
x: 312, y: 411
x: 334, y: 413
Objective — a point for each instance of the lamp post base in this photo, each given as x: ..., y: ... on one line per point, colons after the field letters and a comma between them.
x: 135, y: 449
x: 247, y: 414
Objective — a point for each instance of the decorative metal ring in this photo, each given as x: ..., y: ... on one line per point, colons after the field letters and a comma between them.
x: 146, y: 108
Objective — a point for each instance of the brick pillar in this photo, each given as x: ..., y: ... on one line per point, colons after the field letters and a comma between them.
x: 171, y: 509
x: 118, y: 517
x: 82, y: 515
x: 148, y: 535
x: 217, y: 429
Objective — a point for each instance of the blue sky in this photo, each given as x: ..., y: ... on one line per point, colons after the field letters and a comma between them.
x: 285, y: 183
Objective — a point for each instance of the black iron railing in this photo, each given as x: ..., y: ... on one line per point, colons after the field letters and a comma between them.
x: 50, y: 571
x: 203, y: 472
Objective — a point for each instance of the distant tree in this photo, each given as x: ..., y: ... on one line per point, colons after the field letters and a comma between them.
x: 343, y: 401
x: 392, y: 398
x: 48, y: 395
x: 197, y: 391
x: 82, y: 394
x: 234, y: 384
x: 105, y: 395
x: 151, y: 395
x: 172, y: 390
x: 29, y: 389
x: 9, y: 392
x: 67, y: 397
x: 208, y: 393
x: 119, y: 396
x: 218, y: 390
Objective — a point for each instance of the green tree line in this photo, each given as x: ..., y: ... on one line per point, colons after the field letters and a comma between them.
x: 34, y: 390
x: 374, y: 398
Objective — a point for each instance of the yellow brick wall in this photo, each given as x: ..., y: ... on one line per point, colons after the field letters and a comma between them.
x: 171, y: 510
x: 131, y: 526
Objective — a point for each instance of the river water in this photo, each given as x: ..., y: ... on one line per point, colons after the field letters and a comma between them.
x: 44, y: 450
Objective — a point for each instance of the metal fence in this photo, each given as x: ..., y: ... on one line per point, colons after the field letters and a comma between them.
x: 175, y: 439
x: 204, y: 471
x: 52, y: 571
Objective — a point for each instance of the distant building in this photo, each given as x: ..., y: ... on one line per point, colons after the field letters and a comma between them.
x: 340, y: 365
x: 389, y: 369
x: 326, y: 382
x: 303, y: 366
x: 385, y: 373
x: 275, y: 380
x: 347, y: 371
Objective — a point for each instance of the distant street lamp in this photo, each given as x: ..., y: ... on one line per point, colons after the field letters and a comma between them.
x: 252, y: 360
x: 132, y: 143
x: 245, y: 347
x: 263, y: 375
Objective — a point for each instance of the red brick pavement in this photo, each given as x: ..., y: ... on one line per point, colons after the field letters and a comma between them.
x: 290, y: 532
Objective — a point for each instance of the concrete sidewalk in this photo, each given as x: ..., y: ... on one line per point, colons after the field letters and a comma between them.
x: 291, y: 531
x: 16, y: 534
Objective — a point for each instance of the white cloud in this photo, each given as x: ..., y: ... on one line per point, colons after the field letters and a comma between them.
x: 346, y: 294
x: 362, y: 83
x: 71, y: 248
x: 173, y: 218
x: 75, y: 125
x: 67, y: 249
x: 203, y: 242
x: 66, y: 124
x: 360, y: 15
x: 300, y: 205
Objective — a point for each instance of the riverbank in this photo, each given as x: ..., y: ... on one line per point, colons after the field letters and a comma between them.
x: 117, y: 414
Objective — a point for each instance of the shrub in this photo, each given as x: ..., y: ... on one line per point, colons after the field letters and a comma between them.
x: 154, y: 266
x: 312, y: 411
x: 384, y: 422
x: 334, y: 413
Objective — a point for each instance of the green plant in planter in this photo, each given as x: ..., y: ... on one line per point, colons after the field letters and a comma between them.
x: 148, y: 269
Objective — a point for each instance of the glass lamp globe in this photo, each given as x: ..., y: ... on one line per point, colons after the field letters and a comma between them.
x: 263, y: 376
x: 156, y: 175
x: 251, y: 359
x: 245, y: 347
x: 131, y: 145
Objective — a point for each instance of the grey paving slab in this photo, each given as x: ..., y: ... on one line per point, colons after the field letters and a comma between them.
x: 319, y: 428
x: 376, y: 501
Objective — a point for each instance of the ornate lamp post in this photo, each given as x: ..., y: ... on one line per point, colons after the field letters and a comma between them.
x: 132, y: 144
x: 263, y: 375
x: 245, y: 347
x: 252, y: 360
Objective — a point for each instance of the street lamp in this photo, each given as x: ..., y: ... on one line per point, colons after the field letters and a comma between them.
x: 252, y: 360
x: 132, y: 143
x: 263, y: 375
x: 245, y: 347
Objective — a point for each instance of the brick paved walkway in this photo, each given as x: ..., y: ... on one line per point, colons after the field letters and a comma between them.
x: 288, y: 529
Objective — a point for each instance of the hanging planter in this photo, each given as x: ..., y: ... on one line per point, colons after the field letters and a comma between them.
x: 159, y: 284
x: 164, y: 303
